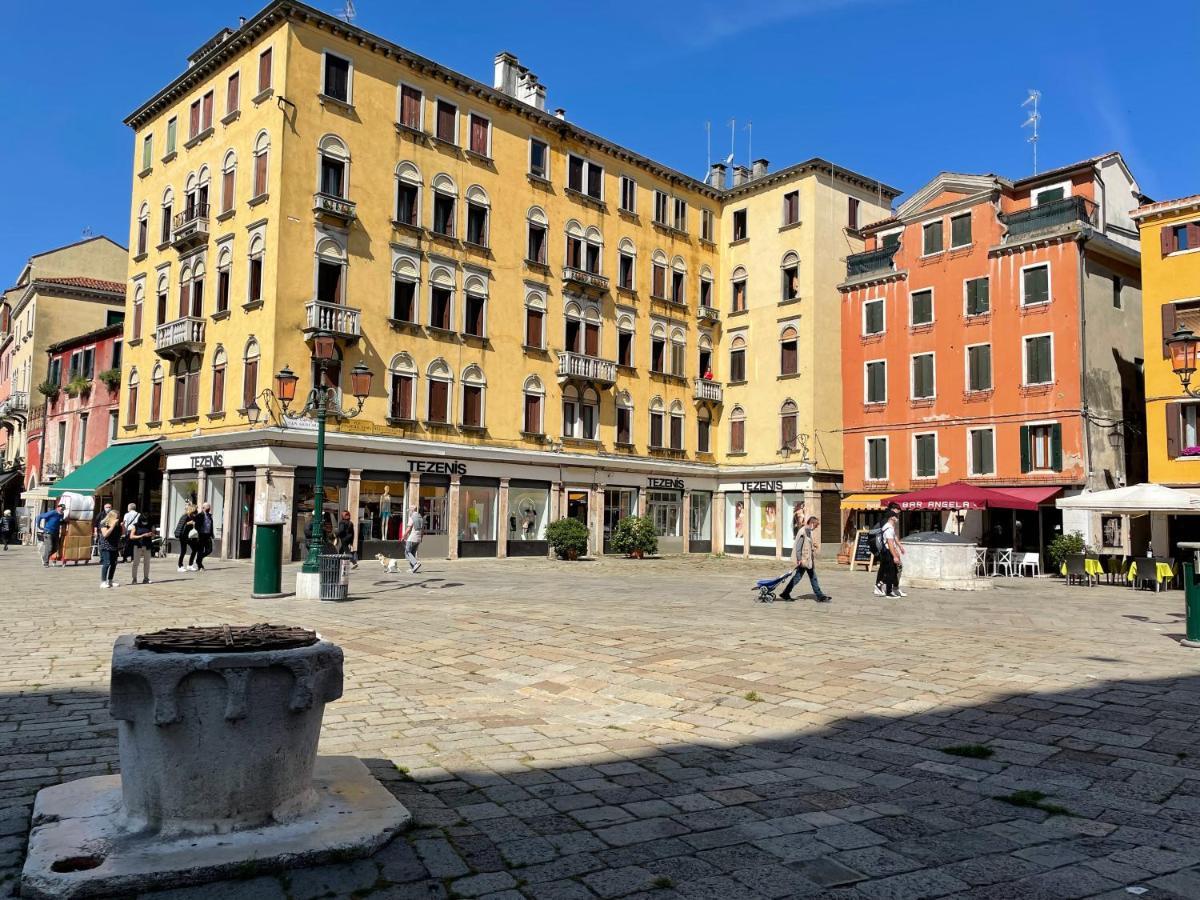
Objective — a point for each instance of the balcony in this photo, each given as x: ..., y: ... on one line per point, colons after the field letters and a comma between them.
x: 52, y: 471
x: 179, y: 337
x: 584, y: 280
x: 344, y: 322
x: 14, y: 407
x: 707, y: 313
x: 579, y: 367
x: 871, y: 262
x: 1048, y: 217
x: 705, y: 390
x: 190, y: 227
x: 338, y: 209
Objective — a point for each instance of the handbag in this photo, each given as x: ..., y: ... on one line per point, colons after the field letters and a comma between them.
x: 193, y: 535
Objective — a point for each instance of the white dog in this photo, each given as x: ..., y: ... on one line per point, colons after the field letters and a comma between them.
x: 387, y: 563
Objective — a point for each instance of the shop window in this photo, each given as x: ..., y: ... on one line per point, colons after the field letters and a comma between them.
x: 528, y: 512
x: 477, y: 506
x: 382, y: 508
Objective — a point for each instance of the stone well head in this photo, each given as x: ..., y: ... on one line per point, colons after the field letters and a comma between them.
x: 219, y: 726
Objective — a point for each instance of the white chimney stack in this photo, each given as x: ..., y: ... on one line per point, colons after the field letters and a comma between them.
x: 517, y: 81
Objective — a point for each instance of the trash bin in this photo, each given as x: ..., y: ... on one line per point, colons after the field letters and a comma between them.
x: 268, y: 558
x: 335, y: 575
x: 1191, y: 596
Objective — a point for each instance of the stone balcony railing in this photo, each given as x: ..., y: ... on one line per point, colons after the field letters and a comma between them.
x: 332, y: 318
x: 585, y: 280
x: 182, y: 335
x: 190, y: 227
x: 581, y: 367
x: 330, y: 207
x: 708, y: 390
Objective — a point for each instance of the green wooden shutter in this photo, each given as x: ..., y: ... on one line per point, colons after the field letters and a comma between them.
x: 1025, y: 465
x: 1056, y: 447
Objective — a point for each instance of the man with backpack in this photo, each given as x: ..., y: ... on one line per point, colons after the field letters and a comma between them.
x: 804, y: 553
x: 879, y: 546
x: 415, y: 527
x: 888, y: 584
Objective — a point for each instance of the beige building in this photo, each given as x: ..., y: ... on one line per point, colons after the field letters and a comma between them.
x: 58, y: 294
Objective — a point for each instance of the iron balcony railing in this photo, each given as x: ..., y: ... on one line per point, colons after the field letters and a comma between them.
x: 1049, y: 216
x: 18, y: 401
x: 332, y: 318
x: 586, y: 368
x: 707, y: 389
x: 190, y: 226
x: 871, y: 261
x: 186, y: 333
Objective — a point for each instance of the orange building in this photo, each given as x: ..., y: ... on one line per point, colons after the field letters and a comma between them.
x: 991, y: 335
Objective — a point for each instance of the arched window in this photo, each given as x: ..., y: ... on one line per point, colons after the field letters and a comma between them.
x: 330, y: 277
x: 737, y: 430
x: 706, y: 289
x: 473, y: 387
x: 626, y: 265
x: 679, y: 281
x: 624, y: 419
x: 658, y: 275
x: 590, y: 418
x: 658, y: 348
x: 218, y: 381
x: 478, y: 209
x: 440, y: 381
x: 334, y: 169
x: 191, y: 290
x: 538, y: 226
x: 703, y: 430
x: 737, y: 360
x: 704, y: 345
x: 139, y: 305
x: 625, y: 334
x: 789, y: 357
x: 156, y: 383
x: 185, y: 372
x: 738, y: 283
x: 678, y: 353
x: 593, y: 250
x: 535, y: 317
x: 131, y: 402
x: 445, y: 198
x: 570, y: 411
x: 573, y: 328
x: 676, y: 425
x: 224, y: 273
x: 575, y: 233
x: 656, y: 423
x: 790, y: 276
x: 262, y: 153
x: 143, y: 229
x: 402, y: 389
x: 249, y: 373
x: 228, y: 181
x: 408, y: 195
x: 254, y: 280
x: 160, y: 300
x: 475, y: 296
x: 406, y: 280
x: 534, y: 402
x: 581, y: 413
x: 168, y: 204
x: 441, y: 299
x: 191, y: 187
x: 787, y: 425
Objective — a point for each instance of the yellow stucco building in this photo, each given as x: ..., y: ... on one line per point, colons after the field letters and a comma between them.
x: 553, y: 321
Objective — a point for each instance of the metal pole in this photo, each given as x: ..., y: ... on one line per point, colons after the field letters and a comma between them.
x: 312, y: 562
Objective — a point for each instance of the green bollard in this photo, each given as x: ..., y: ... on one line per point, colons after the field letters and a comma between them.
x: 268, y: 558
x: 1191, y: 595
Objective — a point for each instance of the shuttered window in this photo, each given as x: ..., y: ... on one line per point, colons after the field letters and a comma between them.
x: 982, y: 452
x: 533, y: 328
x: 979, y: 368
x: 978, y: 296
x: 624, y: 425
x: 925, y: 452
x: 788, y: 356
x: 932, y: 238
x: 922, y: 376
x: 1039, y: 359
x: 922, y: 307
x: 337, y: 78
x: 404, y: 300
x: 480, y: 134
x: 533, y: 414
x: 439, y: 393
x: 960, y: 230
x: 737, y: 436
x: 402, y: 394
x: 410, y: 107
x: 264, y: 70
x: 876, y: 381
x: 232, y: 94
x: 1041, y: 447
x: 737, y: 365
x: 656, y: 429
x: 1035, y: 285
x: 877, y: 459
x: 447, y: 116
x: 472, y: 413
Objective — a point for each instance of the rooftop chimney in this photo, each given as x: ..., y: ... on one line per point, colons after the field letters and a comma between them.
x: 517, y: 81
x: 560, y: 113
x: 716, y: 176
x: 740, y: 175
x: 758, y: 168
x: 506, y: 73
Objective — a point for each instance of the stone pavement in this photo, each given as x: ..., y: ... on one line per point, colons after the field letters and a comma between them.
x: 621, y: 728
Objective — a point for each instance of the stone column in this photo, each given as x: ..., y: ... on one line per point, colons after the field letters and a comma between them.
x: 557, y: 504
x: 779, y: 524
x: 452, y: 515
x: 228, y: 517
x: 352, y: 494
x: 412, y: 497
x: 717, y: 515
x: 685, y: 526
x: 502, y: 520
x: 596, y: 514
x: 201, y: 486
x: 746, y: 524
x: 164, y: 527
x: 281, y: 488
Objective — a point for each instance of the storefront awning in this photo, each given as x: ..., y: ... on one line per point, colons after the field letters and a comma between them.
x: 6, y: 477
x: 1137, y: 498
x: 862, y: 501
x: 103, y: 468
x: 961, y: 495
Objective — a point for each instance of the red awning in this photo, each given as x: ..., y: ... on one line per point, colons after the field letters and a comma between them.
x: 961, y: 495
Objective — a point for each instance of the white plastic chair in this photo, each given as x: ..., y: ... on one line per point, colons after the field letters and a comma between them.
x: 1002, y: 562
x: 981, y: 555
x: 1033, y: 562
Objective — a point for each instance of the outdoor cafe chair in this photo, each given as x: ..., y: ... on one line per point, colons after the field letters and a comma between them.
x: 1032, y: 562
x: 1003, y: 562
x: 981, y: 558
x: 1076, y: 569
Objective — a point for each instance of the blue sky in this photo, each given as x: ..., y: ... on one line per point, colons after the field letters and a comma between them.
x: 896, y: 89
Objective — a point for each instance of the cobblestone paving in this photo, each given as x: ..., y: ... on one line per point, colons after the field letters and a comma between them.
x: 644, y: 729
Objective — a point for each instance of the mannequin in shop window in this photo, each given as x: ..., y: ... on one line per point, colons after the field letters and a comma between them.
x: 385, y: 509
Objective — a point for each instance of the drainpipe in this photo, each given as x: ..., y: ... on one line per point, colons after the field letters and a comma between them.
x: 1087, y: 432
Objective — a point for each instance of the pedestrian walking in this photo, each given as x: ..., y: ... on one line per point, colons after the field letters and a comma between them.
x: 141, y: 539
x: 804, y: 558
x: 8, y: 528
x: 345, y: 537
x: 890, y: 560
x: 108, y: 542
x: 127, y: 522
x: 413, y: 530
x: 882, y: 551
x: 187, y: 535
x: 204, y: 543
x: 50, y: 523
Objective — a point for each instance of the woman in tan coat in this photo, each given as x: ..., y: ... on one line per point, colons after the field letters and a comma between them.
x: 804, y: 558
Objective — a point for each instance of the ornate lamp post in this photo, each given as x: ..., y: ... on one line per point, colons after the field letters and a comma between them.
x: 1182, y: 346
x: 319, y: 404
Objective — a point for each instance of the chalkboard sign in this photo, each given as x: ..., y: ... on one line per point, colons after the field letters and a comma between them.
x: 862, y: 550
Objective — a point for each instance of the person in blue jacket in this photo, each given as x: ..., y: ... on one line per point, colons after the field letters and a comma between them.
x: 51, y: 525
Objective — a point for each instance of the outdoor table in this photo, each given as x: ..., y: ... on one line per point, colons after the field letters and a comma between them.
x: 1091, y: 566
x: 1162, y: 572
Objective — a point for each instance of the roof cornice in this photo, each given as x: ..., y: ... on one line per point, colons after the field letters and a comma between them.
x: 1167, y: 208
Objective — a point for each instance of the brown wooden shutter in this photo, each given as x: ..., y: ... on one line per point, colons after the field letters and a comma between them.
x: 227, y: 191
x: 1174, y: 430
x: 1166, y: 237
x: 231, y: 95
x: 185, y: 299
x: 437, y: 401
x: 533, y: 328
x: 194, y: 120
x: 1169, y: 324
x: 532, y: 410
x: 737, y: 436
x: 264, y: 70
x: 479, y: 130
x: 260, y: 174
x: 591, y: 339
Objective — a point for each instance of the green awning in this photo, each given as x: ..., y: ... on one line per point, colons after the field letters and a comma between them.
x: 103, y: 468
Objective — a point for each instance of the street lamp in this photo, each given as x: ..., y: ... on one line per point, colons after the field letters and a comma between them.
x: 1182, y: 347
x: 319, y: 404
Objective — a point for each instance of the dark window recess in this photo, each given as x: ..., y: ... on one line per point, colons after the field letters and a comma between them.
x: 624, y: 348
x: 404, y: 297
x: 624, y: 425
x: 333, y: 174
x: 978, y: 299
x: 477, y: 221
x: 337, y: 78
x: 891, y: 240
x: 705, y: 292
x: 574, y: 252
x: 702, y: 439
x: 791, y: 207
x: 739, y: 296
x: 592, y: 258
x: 791, y: 282
x: 575, y: 173
x: 406, y: 203
x: 537, y: 244
x: 625, y: 271
x: 539, y: 155
x: 572, y: 334
x: 443, y: 214
x: 788, y: 357
x: 439, y: 308
x: 656, y: 429
x: 474, y: 324
x: 595, y: 177
x: 737, y: 365
x: 677, y: 281
x: 255, y: 279
x: 739, y: 225
x: 658, y: 351
x: 329, y: 282
x: 676, y: 432
x: 852, y: 213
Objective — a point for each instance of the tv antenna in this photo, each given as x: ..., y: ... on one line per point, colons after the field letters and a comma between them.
x: 749, y: 144
x: 87, y: 231
x: 348, y: 12
x: 1034, y: 118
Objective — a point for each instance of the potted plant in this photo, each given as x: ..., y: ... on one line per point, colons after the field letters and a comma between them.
x: 634, y: 536
x: 79, y: 384
x: 568, y: 538
x: 111, y: 378
x: 1065, y: 545
x: 49, y: 390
